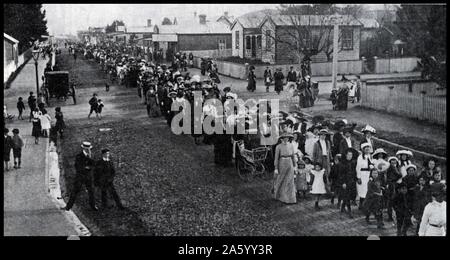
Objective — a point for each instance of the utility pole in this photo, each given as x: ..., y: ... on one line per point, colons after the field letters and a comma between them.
x: 335, y: 53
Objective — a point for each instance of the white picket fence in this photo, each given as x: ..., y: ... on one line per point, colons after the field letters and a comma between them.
x: 413, y: 105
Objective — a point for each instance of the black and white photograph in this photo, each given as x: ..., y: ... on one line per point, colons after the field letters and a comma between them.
x: 224, y: 119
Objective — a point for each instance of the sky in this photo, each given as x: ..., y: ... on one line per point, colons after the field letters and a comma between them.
x: 69, y: 18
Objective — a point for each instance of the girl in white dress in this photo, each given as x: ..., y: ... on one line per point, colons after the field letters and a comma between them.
x: 318, y: 184
x: 364, y: 165
x: 45, y: 124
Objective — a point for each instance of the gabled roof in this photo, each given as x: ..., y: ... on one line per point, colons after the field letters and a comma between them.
x: 10, y: 38
x: 311, y: 20
x: 140, y: 29
x: 195, y: 27
x: 254, y: 19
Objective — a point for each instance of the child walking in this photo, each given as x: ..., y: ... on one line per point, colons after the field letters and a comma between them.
x: 17, y: 144
x: 100, y: 108
x: 373, y: 204
x: 318, y: 183
x: 301, y: 179
x: 20, y: 107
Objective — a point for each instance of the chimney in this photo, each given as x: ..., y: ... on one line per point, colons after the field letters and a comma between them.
x: 225, y: 14
x: 202, y: 18
x: 149, y: 22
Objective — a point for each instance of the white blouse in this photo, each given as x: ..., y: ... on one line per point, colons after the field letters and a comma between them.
x: 435, y: 213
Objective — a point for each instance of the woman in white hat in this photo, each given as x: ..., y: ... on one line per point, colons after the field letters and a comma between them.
x: 379, y: 160
x: 404, y: 157
x: 285, y: 164
x: 363, y: 167
x: 368, y: 132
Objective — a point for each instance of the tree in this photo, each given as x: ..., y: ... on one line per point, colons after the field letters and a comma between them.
x: 112, y: 28
x: 25, y: 22
x: 423, y: 28
x: 166, y: 21
x: 308, y: 29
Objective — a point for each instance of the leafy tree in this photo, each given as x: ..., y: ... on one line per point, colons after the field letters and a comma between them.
x: 25, y: 22
x: 166, y: 21
x: 423, y: 28
x: 112, y: 28
x: 309, y: 29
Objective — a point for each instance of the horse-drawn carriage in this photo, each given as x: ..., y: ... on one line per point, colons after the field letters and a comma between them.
x: 57, y: 84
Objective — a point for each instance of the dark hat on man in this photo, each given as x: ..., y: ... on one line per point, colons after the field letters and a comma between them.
x: 15, y: 131
x: 437, y: 189
x: 226, y: 89
x: 105, y: 150
x: 6, y: 130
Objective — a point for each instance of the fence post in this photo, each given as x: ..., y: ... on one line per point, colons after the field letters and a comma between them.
x: 389, y: 105
x: 375, y: 70
x: 423, y: 114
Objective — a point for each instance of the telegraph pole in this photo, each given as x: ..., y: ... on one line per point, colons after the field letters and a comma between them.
x: 335, y: 53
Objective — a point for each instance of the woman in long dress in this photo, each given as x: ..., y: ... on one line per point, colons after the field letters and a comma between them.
x: 363, y: 166
x: 284, y: 186
x: 60, y: 125
x: 434, y: 218
x: 36, y: 130
x: 45, y: 123
x: 152, y: 103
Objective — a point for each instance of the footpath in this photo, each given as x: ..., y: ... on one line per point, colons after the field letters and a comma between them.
x: 29, y: 208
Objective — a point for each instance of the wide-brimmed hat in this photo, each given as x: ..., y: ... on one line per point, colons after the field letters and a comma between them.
x: 172, y: 93
x: 226, y: 89
x: 411, y: 166
x: 364, y: 145
x: 86, y: 145
x: 393, y: 158
x: 437, y: 189
x: 348, y: 129
x: 324, y: 132
x: 379, y: 151
x: 286, y: 135
x: 307, y: 157
x: 406, y: 152
x: 340, y: 124
x: 370, y: 129
x: 105, y: 150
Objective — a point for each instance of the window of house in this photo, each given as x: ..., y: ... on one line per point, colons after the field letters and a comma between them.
x: 268, y: 40
x: 258, y: 41
x: 248, y: 42
x: 237, y: 40
x: 221, y: 44
x: 347, y: 39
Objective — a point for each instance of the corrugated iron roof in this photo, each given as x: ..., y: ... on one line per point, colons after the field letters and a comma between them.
x: 194, y: 27
x: 313, y: 20
x: 140, y: 29
x: 254, y: 19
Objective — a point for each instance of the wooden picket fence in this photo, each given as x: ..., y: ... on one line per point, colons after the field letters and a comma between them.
x: 413, y: 105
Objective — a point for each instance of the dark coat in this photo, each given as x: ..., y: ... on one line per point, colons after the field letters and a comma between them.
x: 421, y: 199
x: 278, y: 76
x: 7, y: 146
x: 292, y: 76
x: 337, y: 138
x: 251, y: 80
x: 343, y: 146
x: 346, y: 174
x: 83, y: 165
x: 104, y: 173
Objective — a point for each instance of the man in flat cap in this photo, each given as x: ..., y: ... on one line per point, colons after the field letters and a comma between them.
x: 84, y: 165
x: 104, y: 175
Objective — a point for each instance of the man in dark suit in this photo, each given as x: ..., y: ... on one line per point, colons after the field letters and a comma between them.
x: 84, y: 165
x: 104, y: 176
x: 347, y: 141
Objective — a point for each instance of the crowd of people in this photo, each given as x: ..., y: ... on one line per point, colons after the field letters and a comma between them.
x: 332, y: 164
x: 318, y: 158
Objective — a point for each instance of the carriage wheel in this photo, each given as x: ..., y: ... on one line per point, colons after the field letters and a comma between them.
x: 245, y: 170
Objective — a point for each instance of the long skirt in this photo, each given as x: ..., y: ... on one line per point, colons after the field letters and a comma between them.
x: 284, y: 186
x: 152, y: 107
